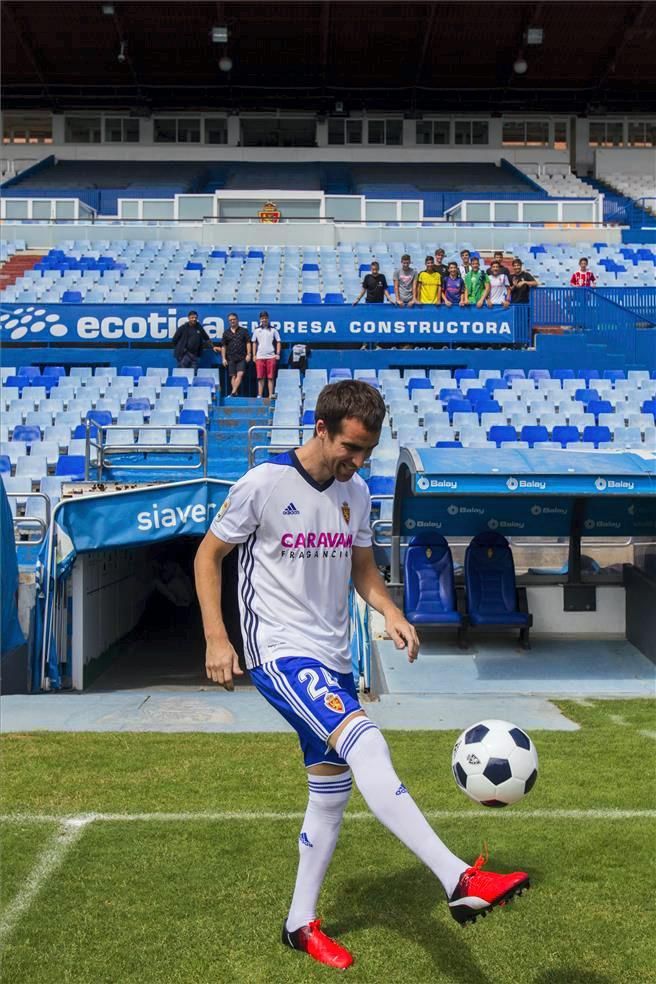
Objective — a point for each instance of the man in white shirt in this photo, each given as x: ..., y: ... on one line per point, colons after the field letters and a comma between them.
x: 302, y: 525
x: 266, y: 341
x: 499, y: 286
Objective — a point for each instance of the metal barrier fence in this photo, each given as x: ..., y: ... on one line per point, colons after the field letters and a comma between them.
x: 641, y: 300
x: 591, y: 311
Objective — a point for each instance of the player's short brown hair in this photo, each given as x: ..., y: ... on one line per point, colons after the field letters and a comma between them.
x: 350, y: 398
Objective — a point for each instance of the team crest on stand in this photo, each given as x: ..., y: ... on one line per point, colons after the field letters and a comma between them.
x: 334, y: 703
x: 346, y: 512
x: 270, y: 213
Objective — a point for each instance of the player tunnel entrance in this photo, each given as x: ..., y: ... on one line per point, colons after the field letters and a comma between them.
x: 134, y: 621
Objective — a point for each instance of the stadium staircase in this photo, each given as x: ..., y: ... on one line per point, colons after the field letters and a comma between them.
x: 227, y: 439
x: 17, y: 266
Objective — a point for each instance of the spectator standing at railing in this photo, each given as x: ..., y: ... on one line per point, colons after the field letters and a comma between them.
x: 499, y: 286
x: 374, y: 285
x: 428, y: 285
x: 266, y: 352
x: 189, y: 341
x: 404, y: 283
x: 583, y: 277
x: 440, y: 265
x: 477, y: 284
x: 465, y: 262
x: 453, y: 287
x: 235, y: 351
x: 498, y: 255
x: 521, y: 283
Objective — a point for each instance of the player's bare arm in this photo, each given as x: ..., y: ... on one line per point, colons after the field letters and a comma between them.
x: 371, y: 588
x: 221, y: 660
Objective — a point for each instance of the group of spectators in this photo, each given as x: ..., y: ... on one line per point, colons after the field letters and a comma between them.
x: 462, y: 284
x: 453, y: 284
x: 237, y: 349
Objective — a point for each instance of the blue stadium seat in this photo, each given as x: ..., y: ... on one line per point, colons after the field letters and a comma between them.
x: 308, y: 267
x: 135, y: 371
x: 193, y: 265
x: 418, y: 383
x: 197, y: 418
x: 596, y: 435
x: 26, y: 433
x: 80, y: 431
x: 310, y: 297
x: 614, y: 374
x: 492, y: 595
x: 492, y: 385
x: 586, y: 395
x: 565, y: 434
x: 72, y: 297
x: 600, y: 406
x: 70, y: 465
x: 539, y: 374
x: 333, y: 298
x: 587, y: 374
x: 514, y: 374
x: 458, y: 406
x: 448, y: 444
x: 449, y: 392
x: 180, y: 382
x: 5, y: 464
x: 429, y: 594
x: 502, y: 432
x: 461, y: 374
x: 338, y: 373
x: 649, y: 406
x: 308, y: 417
x: 532, y: 433
x: 29, y: 372
x: 486, y: 406
x: 137, y: 403
x: 101, y: 417
x: 381, y: 485
x: 48, y: 382
x: 57, y: 371
x: 219, y: 254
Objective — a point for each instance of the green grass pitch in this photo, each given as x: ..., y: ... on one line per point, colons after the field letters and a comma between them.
x: 194, y: 900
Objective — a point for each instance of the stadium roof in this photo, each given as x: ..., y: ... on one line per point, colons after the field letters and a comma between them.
x: 414, y: 56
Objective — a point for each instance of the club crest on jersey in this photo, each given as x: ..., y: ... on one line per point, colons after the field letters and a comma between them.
x: 224, y: 507
x: 334, y: 703
x: 346, y: 512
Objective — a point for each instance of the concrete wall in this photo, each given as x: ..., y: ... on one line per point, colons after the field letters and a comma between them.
x: 638, y: 161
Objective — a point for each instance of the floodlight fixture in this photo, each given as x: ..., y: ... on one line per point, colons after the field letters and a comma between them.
x: 521, y: 66
x: 219, y: 35
x: 108, y: 9
x: 534, y: 35
x: 225, y: 63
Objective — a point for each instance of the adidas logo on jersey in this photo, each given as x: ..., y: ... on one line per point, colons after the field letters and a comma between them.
x: 305, y: 840
x: 291, y: 510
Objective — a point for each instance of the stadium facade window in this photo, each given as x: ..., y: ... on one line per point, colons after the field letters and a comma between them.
x: 605, y: 133
x: 216, y: 130
x: 121, y: 129
x: 25, y: 129
x: 471, y: 133
x: 82, y: 129
x: 169, y: 129
x: 560, y: 135
x: 525, y: 133
x: 354, y: 131
x: 388, y: 132
x: 433, y: 132
x: 642, y: 133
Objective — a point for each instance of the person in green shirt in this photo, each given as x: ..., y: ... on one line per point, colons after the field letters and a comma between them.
x: 477, y: 283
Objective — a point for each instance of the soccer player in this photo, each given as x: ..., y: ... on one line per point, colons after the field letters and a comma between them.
x: 302, y: 525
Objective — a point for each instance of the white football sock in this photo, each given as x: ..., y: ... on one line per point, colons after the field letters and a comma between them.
x: 323, y: 818
x: 365, y: 750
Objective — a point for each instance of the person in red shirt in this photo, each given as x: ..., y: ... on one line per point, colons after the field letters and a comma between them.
x: 583, y: 277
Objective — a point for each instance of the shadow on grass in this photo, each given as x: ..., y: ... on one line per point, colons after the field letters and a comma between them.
x: 404, y: 903
x: 571, y: 975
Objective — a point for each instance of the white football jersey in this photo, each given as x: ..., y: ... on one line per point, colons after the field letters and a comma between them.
x: 295, y: 538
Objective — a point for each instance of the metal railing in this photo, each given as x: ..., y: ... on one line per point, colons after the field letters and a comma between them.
x: 99, y: 454
x: 299, y: 429
x: 29, y: 531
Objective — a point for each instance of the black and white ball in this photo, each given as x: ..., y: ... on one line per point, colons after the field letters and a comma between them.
x: 495, y: 763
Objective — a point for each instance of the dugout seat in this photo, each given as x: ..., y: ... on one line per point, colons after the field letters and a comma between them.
x: 493, y: 599
x: 429, y: 593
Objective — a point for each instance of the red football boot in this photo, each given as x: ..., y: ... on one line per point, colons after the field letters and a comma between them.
x: 479, y: 891
x: 309, y: 939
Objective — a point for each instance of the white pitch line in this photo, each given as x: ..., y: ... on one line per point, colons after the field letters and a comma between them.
x: 51, y: 858
x: 246, y: 815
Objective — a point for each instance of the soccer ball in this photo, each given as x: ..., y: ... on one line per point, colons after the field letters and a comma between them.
x: 495, y: 763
